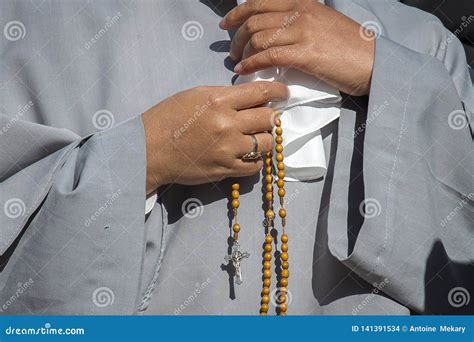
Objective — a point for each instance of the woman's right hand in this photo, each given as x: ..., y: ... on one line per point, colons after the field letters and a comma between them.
x: 199, y: 135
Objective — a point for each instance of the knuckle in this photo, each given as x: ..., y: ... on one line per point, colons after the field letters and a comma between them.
x: 252, y: 24
x: 214, y: 100
x: 273, y: 55
x: 257, y: 41
x: 264, y: 91
x: 221, y: 124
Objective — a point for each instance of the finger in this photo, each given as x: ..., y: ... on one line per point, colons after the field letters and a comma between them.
x: 252, y: 25
x: 245, y: 169
x: 263, y: 40
x: 241, y: 13
x: 246, y: 144
x: 252, y: 94
x: 278, y: 56
x: 256, y: 120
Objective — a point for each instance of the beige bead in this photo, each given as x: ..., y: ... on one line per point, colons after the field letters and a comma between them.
x: 235, y: 194
x: 279, y: 157
x: 264, y: 308
x: 266, y: 291
x: 235, y: 186
x: 283, y: 308
x: 284, y: 238
x: 269, y: 196
x: 284, y: 256
x: 279, y: 148
x: 268, y: 247
x: 280, y: 183
x: 269, y: 178
x: 269, y: 188
x: 281, y: 174
x: 285, y: 273
x: 279, y: 131
x: 270, y: 214
x: 267, y: 274
x: 281, y: 192
x: 284, y: 281
x: 265, y: 299
x: 268, y: 170
x: 267, y: 282
x: 285, y: 265
x: 268, y: 162
x: 280, y: 166
x: 282, y: 213
x: 235, y: 203
x: 267, y: 265
x: 267, y: 256
x: 279, y: 139
x: 268, y: 238
x: 278, y: 122
x: 284, y: 247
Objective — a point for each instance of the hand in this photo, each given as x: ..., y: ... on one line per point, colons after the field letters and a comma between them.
x: 199, y: 135
x: 303, y: 34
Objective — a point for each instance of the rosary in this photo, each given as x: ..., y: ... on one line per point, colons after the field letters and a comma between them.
x: 237, y: 256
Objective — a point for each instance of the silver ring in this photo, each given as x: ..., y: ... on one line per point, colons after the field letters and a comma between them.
x: 255, y: 154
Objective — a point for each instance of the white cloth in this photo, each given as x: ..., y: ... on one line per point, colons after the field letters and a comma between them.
x: 312, y: 105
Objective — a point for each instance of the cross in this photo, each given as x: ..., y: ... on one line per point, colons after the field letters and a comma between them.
x: 236, y: 257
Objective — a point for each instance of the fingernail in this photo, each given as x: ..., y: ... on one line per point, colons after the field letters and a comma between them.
x: 238, y: 68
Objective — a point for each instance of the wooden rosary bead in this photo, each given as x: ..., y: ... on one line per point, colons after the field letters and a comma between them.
x: 283, y: 281
x: 280, y: 183
x: 278, y: 131
x: 268, y: 247
x: 267, y: 282
x: 265, y: 299
x: 268, y: 238
x: 264, y: 308
x: 285, y: 265
x: 284, y: 247
x: 267, y: 273
x: 270, y: 214
x: 267, y: 265
x: 281, y: 174
x: 285, y: 273
x: 279, y: 157
x: 279, y: 139
x: 267, y: 256
x: 269, y: 188
x: 284, y: 256
x: 283, y: 307
x: 284, y: 238
x: 236, y: 228
x: 282, y: 213
x: 281, y: 192
x: 278, y: 122
x: 235, y: 186
x: 265, y: 291
x: 268, y: 170
x: 235, y: 203
x: 235, y: 194
x: 283, y: 290
x: 268, y: 161
x: 279, y: 148
x: 280, y: 166
x: 269, y: 179
x: 269, y: 196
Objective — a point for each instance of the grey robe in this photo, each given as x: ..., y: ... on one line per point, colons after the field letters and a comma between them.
x: 388, y: 230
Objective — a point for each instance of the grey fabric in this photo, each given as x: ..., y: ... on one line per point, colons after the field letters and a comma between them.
x: 80, y: 240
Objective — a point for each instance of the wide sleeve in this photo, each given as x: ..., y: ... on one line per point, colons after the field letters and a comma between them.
x: 72, y: 219
x: 412, y: 227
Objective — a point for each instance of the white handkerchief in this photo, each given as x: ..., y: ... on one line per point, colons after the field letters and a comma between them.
x: 312, y: 105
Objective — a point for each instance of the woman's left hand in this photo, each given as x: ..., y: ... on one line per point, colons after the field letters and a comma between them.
x: 303, y: 34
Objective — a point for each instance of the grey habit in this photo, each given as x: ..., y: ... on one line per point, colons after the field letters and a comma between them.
x: 389, y: 230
